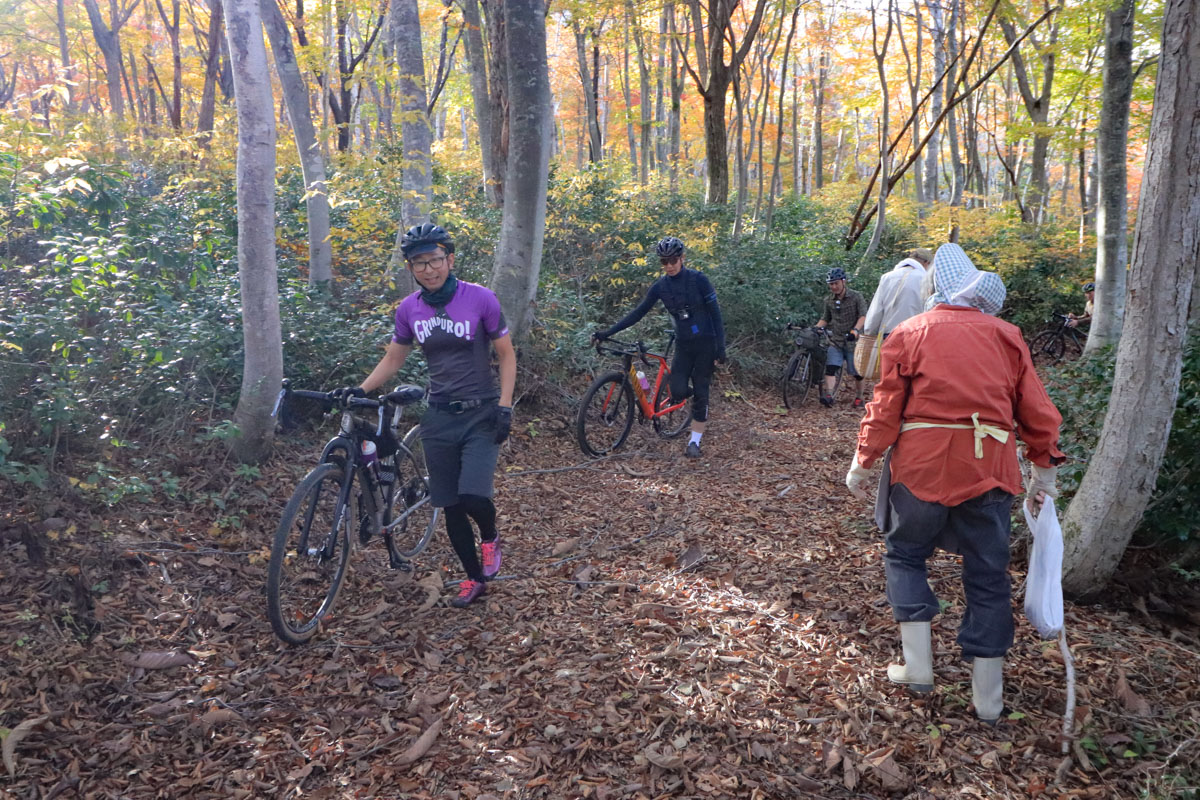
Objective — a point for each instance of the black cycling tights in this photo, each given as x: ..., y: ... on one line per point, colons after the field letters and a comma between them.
x: 462, y: 535
x: 694, y: 359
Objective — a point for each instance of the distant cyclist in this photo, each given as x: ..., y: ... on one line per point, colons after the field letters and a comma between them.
x: 1089, y: 291
x: 691, y: 301
x: 845, y: 313
x: 469, y: 417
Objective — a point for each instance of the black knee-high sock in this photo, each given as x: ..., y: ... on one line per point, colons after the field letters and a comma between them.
x: 483, y: 511
x: 462, y: 539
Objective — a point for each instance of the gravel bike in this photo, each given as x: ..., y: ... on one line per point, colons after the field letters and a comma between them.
x: 351, y: 495
x: 607, y: 411
x: 806, y: 367
x: 1055, y: 344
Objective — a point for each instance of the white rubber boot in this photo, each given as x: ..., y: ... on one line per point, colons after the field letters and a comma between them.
x: 917, y: 669
x: 987, y: 688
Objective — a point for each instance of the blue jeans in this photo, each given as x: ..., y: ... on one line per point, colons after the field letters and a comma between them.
x: 979, y: 529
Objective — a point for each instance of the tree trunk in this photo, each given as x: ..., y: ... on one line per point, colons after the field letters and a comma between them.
x: 818, y: 167
x: 1111, y: 215
x: 957, y: 172
x: 312, y: 164
x: 783, y: 82
x: 626, y: 93
x: 590, y: 100
x: 645, y: 111
x: 880, y: 51
x: 498, y: 97
x: 263, y: 367
x: 109, y: 41
x: 64, y: 52
x: 1122, y: 472
x: 477, y: 60
x: 175, y: 109
x: 678, y: 54
x: 938, y: 33
x: 523, y: 224
x: 416, y: 133
x: 208, y: 98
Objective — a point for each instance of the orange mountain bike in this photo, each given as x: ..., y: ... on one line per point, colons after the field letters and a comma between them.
x: 607, y: 411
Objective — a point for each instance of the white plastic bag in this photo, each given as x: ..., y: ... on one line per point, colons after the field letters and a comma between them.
x: 1043, y: 585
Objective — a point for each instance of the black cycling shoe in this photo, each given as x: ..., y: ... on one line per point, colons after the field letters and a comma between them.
x: 692, y: 450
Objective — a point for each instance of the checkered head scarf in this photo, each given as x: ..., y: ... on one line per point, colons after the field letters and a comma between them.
x: 958, y: 283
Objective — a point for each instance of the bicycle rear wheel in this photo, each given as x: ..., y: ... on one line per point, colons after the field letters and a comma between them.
x: 1046, y: 348
x: 409, y: 508
x: 310, y: 554
x: 669, y: 426
x: 605, y: 415
x: 797, y: 380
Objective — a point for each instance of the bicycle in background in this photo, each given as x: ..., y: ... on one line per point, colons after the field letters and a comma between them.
x: 366, y: 478
x: 607, y: 411
x: 806, y: 367
x: 1055, y: 344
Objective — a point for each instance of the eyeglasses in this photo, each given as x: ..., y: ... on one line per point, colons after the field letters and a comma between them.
x: 427, y: 266
x: 666, y: 261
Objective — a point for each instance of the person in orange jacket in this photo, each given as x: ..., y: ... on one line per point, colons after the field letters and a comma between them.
x: 956, y: 383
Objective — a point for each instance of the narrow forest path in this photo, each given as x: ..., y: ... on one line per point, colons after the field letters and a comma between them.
x: 662, y: 628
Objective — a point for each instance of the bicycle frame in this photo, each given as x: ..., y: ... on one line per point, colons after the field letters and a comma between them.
x: 645, y: 399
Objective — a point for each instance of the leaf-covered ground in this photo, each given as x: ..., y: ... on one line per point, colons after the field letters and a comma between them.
x: 662, y: 628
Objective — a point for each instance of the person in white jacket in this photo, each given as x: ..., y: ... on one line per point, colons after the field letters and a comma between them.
x: 899, y: 294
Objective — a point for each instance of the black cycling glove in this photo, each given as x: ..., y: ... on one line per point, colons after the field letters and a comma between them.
x: 346, y: 392
x: 503, y: 421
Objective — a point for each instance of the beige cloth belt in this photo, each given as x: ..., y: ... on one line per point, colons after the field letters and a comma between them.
x: 982, y: 431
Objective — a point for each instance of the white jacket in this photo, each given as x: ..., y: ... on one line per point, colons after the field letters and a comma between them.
x: 897, y: 298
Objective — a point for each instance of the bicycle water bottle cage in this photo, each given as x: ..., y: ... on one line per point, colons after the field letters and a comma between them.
x: 405, y: 394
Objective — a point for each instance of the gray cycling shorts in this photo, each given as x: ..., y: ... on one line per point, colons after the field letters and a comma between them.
x: 461, y: 452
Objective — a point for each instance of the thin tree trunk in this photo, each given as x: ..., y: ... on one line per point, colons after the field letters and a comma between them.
x: 175, y: 109
x: 783, y: 82
x: 1111, y: 213
x: 312, y: 164
x: 477, y: 59
x: 625, y: 92
x: 498, y: 96
x: 591, y: 101
x: 262, y: 370
x: 880, y: 51
x: 416, y: 132
x: 208, y: 98
x: 644, y: 109
x: 64, y: 51
x: 523, y: 225
x: 938, y: 32
x: 958, y: 174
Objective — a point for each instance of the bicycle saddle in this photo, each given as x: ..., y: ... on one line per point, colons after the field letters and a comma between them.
x: 405, y: 394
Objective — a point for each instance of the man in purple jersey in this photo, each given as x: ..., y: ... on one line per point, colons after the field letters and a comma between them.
x: 469, y: 417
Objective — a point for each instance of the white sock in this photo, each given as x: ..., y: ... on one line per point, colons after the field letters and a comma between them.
x: 695, y: 437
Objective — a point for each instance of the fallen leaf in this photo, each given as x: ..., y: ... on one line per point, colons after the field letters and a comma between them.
x: 14, y: 738
x: 421, y: 746
x: 226, y: 620
x: 665, y: 758
x: 884, y: 766
x: 690, y: 557
x: 164, y: 659
x: 219, y: 716
x: 564, y: 547
x: 1133, y: 702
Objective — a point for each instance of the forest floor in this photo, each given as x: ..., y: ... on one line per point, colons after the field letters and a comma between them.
x: 663, y: 628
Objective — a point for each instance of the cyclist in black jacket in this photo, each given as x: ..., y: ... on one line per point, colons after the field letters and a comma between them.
x: 691, y: 301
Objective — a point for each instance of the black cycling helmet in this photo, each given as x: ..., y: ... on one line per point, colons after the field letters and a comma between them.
x: 425, y: 238
x: 669, y: 247
x: 1089, y: 287
x: 836, y: 274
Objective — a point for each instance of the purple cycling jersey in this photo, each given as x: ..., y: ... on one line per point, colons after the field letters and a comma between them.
x: 459, y: 359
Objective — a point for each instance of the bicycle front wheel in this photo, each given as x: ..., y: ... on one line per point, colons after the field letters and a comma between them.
x: 797, y: 381
x: 409, y: 515
x: 1046, y: 348
x: 310, y: 554
x: 672, y: 425
x: 605, y: 415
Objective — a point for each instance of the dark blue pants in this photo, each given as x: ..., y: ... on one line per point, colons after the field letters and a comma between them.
x: 979, y: 529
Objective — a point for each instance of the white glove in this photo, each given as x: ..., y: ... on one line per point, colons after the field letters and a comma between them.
x: 858, y: 479
x: 1042, y: 479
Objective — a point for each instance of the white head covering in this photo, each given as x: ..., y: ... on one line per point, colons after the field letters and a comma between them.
x: 959, y: 283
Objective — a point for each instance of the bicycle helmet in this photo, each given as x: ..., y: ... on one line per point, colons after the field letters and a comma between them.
x: 1089, y: 287
x: 669, y: 247
x: 425, y: 238
x: 836, y: 274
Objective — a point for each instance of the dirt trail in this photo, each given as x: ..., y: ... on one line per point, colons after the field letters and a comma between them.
x: 662, y: 628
